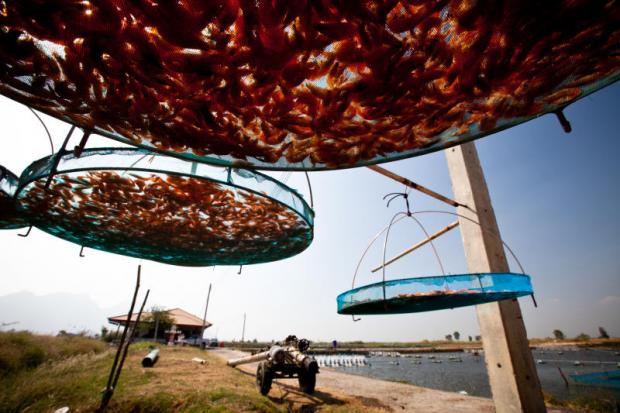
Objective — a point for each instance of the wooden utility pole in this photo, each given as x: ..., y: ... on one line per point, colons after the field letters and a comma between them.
x: 204, y: 319
x: 512, y: 372
x: 243, y: 331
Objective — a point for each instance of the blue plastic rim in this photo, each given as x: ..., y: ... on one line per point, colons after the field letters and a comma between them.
x: 602, y: 379
x: 10, y: 218
x: 419, y: 294
x: 146, y: 205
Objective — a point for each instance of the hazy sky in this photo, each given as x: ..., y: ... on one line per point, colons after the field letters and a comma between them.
x: 555, y: 195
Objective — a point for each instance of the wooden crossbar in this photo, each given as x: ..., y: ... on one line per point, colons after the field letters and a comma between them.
x: 413, y: 185
x: 418, y: 245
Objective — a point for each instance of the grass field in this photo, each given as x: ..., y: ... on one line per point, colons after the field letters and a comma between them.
x: 75, y: 377
x: 23, y: 350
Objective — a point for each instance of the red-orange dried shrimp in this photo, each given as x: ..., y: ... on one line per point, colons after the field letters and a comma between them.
x: 173, y: 219
x: 331, y: 83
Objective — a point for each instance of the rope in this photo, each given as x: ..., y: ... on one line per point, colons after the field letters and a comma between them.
x: 49, y: 135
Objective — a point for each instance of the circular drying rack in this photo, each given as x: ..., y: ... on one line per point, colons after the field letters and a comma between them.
x: 419, y: 294
x: 146, y: 205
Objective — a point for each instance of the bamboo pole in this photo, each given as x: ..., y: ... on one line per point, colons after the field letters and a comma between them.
x: 131, y: 337
x: 124, y: 334
x: 418, y: 245
x: 413, y: 185
x: 107, y: 392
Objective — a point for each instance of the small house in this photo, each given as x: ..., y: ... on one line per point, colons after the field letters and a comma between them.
x: 184, y: 327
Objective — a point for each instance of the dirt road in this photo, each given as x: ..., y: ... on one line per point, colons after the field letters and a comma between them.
x: 380, y: 393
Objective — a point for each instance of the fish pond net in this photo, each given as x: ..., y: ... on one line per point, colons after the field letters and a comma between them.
x: 412, y: 295
x: 304, y: 85
x: 10, y: 217
x: 140, y: 204
x: 602, y: 379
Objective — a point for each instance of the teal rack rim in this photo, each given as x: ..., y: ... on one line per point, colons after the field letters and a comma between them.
x: 42, y: 167
x: 411, y: 279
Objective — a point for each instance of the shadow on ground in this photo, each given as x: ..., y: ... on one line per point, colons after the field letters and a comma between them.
x: 286, y: 391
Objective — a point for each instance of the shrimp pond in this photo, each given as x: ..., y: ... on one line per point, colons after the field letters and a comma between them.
x: 466, y: 372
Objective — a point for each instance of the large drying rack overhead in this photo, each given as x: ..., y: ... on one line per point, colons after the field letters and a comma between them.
x: 304, y: 84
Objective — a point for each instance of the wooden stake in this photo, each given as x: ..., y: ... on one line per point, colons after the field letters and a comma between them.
x: 109, y: 389
x: 512, y: 372
x: 136, y: 326
x: 418, y: 245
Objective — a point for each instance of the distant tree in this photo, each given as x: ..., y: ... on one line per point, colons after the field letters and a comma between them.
x: 602, y: 333
x: 255, y: 341
x: 470, y: 338
x: 558, y: 334
x: 449, y: 337
x: 456, y: 335
x: 582, y: 337
x: 104, y: 332
x: 158, y: 319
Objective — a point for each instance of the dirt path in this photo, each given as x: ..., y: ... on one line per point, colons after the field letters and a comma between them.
x: 388, y: 395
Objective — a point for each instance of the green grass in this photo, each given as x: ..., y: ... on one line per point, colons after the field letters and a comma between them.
x: 593, y: 404
x: 78, y: 381
x: 23, y: 350
x: 609, y: 343
x: 48, y: 373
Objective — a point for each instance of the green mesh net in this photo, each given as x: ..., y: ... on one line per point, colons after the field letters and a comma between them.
x: 136, y: 203
x: 10, y: 218
x: 413, y: 295
x: 304, y: 84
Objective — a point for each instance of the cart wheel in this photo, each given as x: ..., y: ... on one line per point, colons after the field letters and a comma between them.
x: 307, y: 381
x: 264, y: 377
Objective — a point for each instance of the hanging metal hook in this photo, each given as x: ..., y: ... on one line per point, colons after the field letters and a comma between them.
x: 82, y: 252
x: 78, y: 149
x: 563, y: 121
x: 355, y: 319
x: 394, y: 195
x: 240, y: 268
x: 27, y: 232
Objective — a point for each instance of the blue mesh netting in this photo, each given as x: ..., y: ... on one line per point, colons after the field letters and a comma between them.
x: 412, y: 295
x: 10, y: 218
x: 145, y: 205
x: 304, y: 84
x: 604, y: 379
